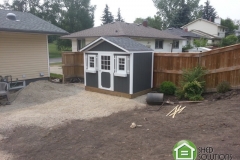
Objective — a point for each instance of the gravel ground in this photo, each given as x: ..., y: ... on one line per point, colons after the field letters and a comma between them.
x: 47, y: 104
x: 51, y: 105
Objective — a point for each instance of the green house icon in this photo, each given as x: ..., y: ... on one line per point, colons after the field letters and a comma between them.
x: 184, y: 152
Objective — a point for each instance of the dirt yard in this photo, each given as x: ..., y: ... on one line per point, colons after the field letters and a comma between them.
x: 69, y: 128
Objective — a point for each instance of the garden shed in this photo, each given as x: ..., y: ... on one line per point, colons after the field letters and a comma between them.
x: 118, y: 66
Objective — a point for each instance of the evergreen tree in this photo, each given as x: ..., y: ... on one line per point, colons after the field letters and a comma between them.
x: 107, y: 16
x: 182, y: 16
x: 119, y: 16
x: 209, y: 12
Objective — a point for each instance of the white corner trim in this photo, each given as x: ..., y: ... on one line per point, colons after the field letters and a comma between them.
x: 131, y: 74
x: 48, y: 56
x: 152, y: 69
x: 85, y: 81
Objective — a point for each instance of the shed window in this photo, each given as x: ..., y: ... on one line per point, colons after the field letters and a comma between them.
x: 158, y: 44
x: 121, y: 66
x: 175, y: 44
x: 91, y: 63
x: 105, y: 63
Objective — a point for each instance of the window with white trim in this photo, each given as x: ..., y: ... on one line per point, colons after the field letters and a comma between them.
x: 121, y: 67
x: 91, y: 63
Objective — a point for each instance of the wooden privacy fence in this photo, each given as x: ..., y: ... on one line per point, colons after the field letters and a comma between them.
x: 73, y: 64
x: 223, y: 64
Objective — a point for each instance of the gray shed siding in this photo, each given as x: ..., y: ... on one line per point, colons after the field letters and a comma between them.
x: 142, y: 71
x: 121, y: 84
x: 105, y: 46
x: 92, y: 79
x: 106, y: 79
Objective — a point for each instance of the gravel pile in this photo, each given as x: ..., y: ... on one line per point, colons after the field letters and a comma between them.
x: 47, y: 104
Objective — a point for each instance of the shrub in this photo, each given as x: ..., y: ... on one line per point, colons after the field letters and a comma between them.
x: 187, y: 47
x: 192, y: 84
x: 223, y: 87
x: 200, y: 42
x: 167, y: 87
x: 229, y: 40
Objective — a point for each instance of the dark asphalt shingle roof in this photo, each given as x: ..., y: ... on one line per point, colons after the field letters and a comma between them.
x: 181, y: 32
x: 27, y: 23
x: 128, y: 44
x: 124, y: 30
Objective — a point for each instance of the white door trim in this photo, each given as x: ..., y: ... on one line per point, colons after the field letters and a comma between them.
x: 111, y: 71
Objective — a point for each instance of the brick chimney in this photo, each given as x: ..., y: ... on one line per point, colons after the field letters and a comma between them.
x: 145, y: 23
x: 186, y: 29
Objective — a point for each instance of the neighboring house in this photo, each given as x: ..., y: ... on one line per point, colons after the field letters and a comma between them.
x: 153, y: 38
x: 189, y: 36
x: 237, y: 32
x: 118, y: 66
x: 214, y: 29
x: 24, y: 46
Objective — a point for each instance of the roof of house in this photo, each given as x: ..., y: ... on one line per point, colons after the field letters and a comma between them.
x: 124, y: 30
x: 181, y: 32
x: 201, y: 19
x: 204, y: 34
x: 124, y: 43
x: 27, y: 22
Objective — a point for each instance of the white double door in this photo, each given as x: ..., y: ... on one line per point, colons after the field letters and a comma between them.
x: 105, y: 71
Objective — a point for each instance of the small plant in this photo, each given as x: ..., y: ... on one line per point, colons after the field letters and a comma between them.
x: 167, y: 88
x: 223, y: 87
x: 192, y: 84
x: 187, y: 47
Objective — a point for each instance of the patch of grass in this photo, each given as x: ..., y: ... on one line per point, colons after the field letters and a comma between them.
x: 53, y: 51
x: 53, y: 75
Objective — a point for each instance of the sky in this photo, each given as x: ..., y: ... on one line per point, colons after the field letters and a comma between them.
x: 132, y: 9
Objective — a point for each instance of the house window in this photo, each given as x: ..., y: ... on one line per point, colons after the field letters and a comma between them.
x: 105, y: 63
x: 158, y: 44
x: 91, y: 64
x: 80, y: 44
x: 175, y: 44
x: 121, y: 66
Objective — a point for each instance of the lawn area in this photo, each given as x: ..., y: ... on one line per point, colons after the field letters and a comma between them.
x: 53, y: 51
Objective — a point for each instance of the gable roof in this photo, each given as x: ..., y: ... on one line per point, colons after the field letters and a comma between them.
x: 181, y: 32
x: 124, y: 43
x: 201, y: 19
x: 27, y: 22
x: 122, y: 29
x: 204, y: 34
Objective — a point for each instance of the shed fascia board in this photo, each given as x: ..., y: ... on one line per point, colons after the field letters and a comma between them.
x: 102, y: 38
x: 33, y: 31
x: 87, y: 46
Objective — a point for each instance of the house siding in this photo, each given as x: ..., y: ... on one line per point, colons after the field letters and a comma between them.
x: 23, y: 54
x: 92, y: 79
x: 166, y: 45
x: 121, y: 84
x: 144, y: 41
x: 204, y: 26
x: 142, y: 71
